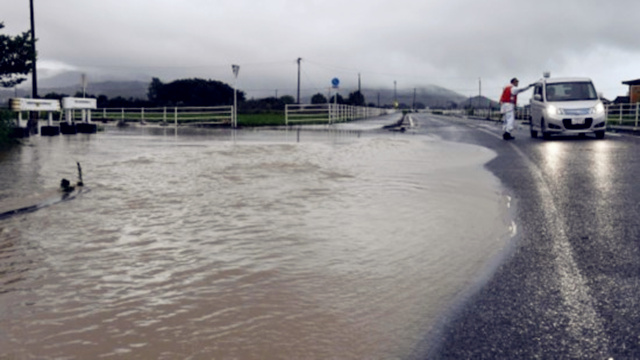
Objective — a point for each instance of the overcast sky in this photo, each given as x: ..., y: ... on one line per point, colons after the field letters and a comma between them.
x: 457, y: 44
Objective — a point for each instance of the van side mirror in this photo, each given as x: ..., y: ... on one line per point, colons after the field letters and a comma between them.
x: 600, y: 95
x: 537, y: 97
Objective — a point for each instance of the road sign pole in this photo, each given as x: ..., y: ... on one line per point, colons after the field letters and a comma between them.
x: 236, y: 69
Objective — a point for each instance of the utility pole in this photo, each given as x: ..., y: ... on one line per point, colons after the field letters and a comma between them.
x: 414, y: 99
x: 84, y: 84
x: 360, y: 96
x: 395, y: 94
x: 299, y: 59
x: 34, y: 78
x: 32, y: 124
x: 479, y: 91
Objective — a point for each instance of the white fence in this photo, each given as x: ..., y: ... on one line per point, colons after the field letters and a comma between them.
x: 617, y: 114
x: 623, y: 114
x: 216, y: 115
x: 327, y: 113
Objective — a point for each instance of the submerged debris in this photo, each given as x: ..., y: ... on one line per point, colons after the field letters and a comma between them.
x: 65, y: 186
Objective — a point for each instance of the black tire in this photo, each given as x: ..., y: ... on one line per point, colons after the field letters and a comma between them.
x: 599, y: 134
x: 545, y: 134
x: 534, y: 133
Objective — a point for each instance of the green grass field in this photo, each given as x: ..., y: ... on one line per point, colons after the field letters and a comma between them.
x: 268, y: 119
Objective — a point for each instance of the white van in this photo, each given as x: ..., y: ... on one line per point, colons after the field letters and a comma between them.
x: 566, y: 106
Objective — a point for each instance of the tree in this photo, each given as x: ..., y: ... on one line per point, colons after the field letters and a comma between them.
x: 191, y: 92
x: 16, y: 58
x: 155, y: 88
x: 339, y: 98
x: 55, y: 96
x: 356, y: 98
x: 287, y: 99
x: 318, y: 99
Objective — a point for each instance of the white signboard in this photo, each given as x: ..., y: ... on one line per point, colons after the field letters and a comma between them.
x: 20, y: 104
x: 79, y: 103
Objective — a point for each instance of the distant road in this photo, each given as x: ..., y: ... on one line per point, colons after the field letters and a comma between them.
x: 571, y: 287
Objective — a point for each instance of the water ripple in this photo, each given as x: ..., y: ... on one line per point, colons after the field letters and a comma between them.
x: 247, y: 249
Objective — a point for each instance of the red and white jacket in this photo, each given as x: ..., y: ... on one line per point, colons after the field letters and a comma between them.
x: 509, y: 95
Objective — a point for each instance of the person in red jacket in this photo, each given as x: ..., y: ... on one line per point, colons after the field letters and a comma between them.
x: 508, y: 103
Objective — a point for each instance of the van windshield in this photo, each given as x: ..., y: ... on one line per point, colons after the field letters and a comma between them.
x: 571, y: 91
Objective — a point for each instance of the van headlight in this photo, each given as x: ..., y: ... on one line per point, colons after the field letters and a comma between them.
x: 554, y: 110
x: 598, y: 109
x: 551, y: 109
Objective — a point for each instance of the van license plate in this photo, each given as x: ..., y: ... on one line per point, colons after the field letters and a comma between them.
x: 577, y: 121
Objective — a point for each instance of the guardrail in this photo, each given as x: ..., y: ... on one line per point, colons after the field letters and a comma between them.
x: 215, y: 115
x: 327, y: 113
x: 623, y: 114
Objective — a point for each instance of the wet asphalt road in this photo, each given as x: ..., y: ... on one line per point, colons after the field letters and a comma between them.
x: 569, y: 288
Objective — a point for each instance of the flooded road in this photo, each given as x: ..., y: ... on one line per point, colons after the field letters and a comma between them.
x: 242, y: 244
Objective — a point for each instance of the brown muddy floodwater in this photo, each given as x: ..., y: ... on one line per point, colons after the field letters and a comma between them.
x: 241, y: 244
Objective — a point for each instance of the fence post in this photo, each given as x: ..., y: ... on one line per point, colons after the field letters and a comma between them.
x: 122, y: 116
x: 141, y: 115
x: 286, y: 115
x: 637, y: 104
x: 164, y: 115
x: 175, y: 116
x: 620, y: 114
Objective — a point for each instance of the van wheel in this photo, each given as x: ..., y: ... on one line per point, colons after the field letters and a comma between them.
x: 599, y: 134
x: 545, y: 134
x: 534, y: 133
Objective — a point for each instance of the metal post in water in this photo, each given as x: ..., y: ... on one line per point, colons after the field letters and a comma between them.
x: 80, y: 182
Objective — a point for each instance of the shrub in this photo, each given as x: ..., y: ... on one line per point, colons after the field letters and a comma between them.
x: 5, y: 127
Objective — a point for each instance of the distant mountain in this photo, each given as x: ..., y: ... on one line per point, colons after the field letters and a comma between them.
x: 430, y: 96
x: 70, y: 83
x: 479, y: 102
x: 111, y: 89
